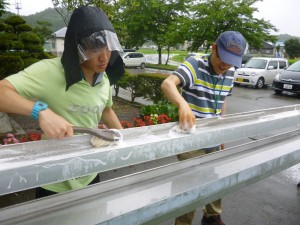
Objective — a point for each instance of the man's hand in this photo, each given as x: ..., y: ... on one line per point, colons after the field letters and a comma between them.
x: 53, y: 125
x: 186, y: 116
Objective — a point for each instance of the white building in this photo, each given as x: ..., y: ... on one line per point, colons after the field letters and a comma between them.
x: 57, y: 41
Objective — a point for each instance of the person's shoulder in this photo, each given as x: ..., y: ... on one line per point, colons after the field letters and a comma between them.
x: 45, y: 66
x: 51, y: 64
x: 53, y: 61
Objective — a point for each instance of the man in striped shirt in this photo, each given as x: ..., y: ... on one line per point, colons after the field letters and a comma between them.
x: 204, y: 86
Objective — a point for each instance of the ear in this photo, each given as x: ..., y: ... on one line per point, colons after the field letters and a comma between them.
x: 214, y: 47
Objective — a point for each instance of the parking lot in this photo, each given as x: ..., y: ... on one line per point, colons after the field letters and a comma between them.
x: 274, y: 200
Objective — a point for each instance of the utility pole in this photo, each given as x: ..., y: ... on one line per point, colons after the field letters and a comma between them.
x: 18, y: 5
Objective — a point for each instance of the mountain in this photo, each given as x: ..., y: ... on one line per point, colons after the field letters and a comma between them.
x: 284, y: 37
x: 50, y: 15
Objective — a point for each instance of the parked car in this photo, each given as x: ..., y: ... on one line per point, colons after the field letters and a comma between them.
x: 246, y: 58
x: 230, y: 75
x: 288, y: 80
x: 259, y: 71
x: 134, y: 59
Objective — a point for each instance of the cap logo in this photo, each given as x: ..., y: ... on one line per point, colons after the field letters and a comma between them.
x: 234, y: 47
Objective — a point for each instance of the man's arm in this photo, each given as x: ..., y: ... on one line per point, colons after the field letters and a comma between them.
x: 186, y: 115
x: 110, y: 118
x: 53, y: 125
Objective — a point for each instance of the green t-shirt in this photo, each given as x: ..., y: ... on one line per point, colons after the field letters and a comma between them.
x: 81, y: 105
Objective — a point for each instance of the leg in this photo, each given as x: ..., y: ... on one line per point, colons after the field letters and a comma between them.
x: 187, y: 219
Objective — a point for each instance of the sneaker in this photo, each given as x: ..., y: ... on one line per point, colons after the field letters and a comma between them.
x: 212, y: 220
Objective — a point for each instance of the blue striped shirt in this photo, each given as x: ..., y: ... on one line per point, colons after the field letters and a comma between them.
x: 202, y: 88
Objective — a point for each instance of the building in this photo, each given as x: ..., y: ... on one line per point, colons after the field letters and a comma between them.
x: 57, y: 41
x: 268, y: 49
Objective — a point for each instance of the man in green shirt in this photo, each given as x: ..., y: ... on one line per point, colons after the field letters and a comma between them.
x: 72, y: 90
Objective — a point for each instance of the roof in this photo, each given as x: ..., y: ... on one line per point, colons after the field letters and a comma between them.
x: 60, y: 33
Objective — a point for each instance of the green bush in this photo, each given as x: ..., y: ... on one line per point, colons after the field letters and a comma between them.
x: 143, y: 85
x: 17, y: 45
x: 291, y: 61
x: 29, y: 61
x: 162, y: 107
x: 152, y: 83
x: 10, y: 65
x: 132, y: 83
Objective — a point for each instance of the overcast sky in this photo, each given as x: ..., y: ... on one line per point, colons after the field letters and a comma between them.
x: 283, y: 14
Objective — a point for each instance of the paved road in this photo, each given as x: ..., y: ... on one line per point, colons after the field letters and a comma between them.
x: 272, y: 201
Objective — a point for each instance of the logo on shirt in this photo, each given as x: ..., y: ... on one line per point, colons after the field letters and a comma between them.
x: 86, y: 109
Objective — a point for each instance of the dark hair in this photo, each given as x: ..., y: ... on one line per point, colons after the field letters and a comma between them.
x: 96, y: 40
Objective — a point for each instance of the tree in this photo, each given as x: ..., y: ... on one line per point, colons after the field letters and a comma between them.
x: 292, y: 47
x: 43, y: 29
x: 211, y: 17
x: 65, y: 7
x: 19, y: 36
x: 152, y: 20
x: 3, y: 6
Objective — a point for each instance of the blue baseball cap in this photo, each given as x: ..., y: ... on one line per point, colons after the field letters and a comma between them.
x: 231, y: 47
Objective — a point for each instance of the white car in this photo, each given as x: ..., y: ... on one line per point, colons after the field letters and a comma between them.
x: 230, y: 75
x: 259, y: 71
x: 134, y: 59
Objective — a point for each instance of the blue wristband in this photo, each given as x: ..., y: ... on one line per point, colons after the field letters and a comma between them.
x: 37, y: 107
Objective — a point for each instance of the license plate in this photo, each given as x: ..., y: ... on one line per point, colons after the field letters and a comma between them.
x: 288, y: 86
x: 240, y: 79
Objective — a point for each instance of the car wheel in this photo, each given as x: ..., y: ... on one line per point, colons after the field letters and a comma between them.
x: 143, y: 65
x: 236, y: 84
x: 260, y: 83
x: 278, y: 92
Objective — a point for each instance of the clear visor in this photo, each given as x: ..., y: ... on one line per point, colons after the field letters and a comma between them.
x: 97, y: 44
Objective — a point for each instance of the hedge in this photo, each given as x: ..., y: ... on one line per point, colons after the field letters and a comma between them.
x: 10, y: 65
x: 143, y: 85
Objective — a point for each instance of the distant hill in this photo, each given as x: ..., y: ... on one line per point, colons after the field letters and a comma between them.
x: 284, y: 37
x: 50, y: 15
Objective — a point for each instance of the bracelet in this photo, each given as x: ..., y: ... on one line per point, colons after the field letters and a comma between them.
x: 37, y: 107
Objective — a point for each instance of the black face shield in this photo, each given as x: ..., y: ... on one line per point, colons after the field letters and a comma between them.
x: 90, y: 27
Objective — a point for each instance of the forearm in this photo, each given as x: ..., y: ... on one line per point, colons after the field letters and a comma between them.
x: 169, y: 87
x: 186, y: 115
x: 110, y: 118
x: 224, y: 107
x: 12, y: 102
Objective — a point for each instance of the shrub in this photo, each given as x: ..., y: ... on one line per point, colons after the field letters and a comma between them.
x: 143, y: 85
x: 152, y: 83
x: 10, y: 65
x: 132, y: 83
x: 162, y: 107
x: 30, y: 61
